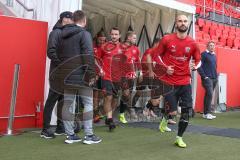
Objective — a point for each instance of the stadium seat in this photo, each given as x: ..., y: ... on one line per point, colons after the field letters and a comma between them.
x: 200, y: 34
x: 214, y: 25
x: 198, y: 9
x: 205, y: 29
x: 197, y: 28
x: 218, y: 32
x: 225, y: 32
x: 208, y: 23
x: 230, y: 42
x: 231, y: 35
x: 222, y: 41
x: 220, y: 26
x: 206, y: 37
x: 200, y: 22
x: 212, y: 31
x: 214, y: 38
x: 226, y: 27
x: 236, y: 43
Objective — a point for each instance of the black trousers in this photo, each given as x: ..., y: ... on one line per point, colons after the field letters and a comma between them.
x: 52, y: 98
x: 209, y: 86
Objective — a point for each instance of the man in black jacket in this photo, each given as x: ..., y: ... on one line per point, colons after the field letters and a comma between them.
x: 54, y: 96
x: 208, y: 73
x: 76, y: 75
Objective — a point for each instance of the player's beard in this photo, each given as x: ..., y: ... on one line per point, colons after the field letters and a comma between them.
x: 115, y: 40
x: 182, y: 29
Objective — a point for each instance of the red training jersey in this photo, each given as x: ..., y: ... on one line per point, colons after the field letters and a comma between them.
x: 177, y: 52
x: 133, y: 62
x: 97, y: 53
x: 112, y: 60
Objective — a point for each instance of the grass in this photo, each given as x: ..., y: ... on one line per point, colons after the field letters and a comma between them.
x: 128, y: 144
x: 223, y: 120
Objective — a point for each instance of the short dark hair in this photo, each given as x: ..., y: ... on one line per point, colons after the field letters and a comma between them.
x: 101, y: 33
x: 116, y: 28
x: 209, y: 42
x: 79, y: 16
x: 156, y: 40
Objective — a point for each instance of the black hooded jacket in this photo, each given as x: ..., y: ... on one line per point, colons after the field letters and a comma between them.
x: 53, y: 43
x: 76, y: 55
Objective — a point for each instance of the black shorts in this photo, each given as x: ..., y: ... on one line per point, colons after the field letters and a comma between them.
x: 143, y: 84
x: 110, y: 88
x: 127, y: 83
x: 156, y: 86
x: 98, y: 84
x: 159, y: 88
x: 181, y: 95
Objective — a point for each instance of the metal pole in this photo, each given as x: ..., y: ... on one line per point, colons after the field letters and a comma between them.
x: 10, y: 3
x: 204, y: 9
x: 13, y: 102
x: 214, y: 10
x: 223, y: 14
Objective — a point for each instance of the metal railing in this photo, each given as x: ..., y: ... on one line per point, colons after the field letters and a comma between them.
x: 216, y: 13
x: 10, y: 4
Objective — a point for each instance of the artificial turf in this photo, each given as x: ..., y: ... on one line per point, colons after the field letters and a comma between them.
x: 127, y: 143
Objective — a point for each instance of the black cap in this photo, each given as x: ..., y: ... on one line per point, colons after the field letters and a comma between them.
x: 66, y: 14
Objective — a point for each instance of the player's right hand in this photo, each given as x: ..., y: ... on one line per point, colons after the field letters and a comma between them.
x: 152, y: 74
x: 170, y: 70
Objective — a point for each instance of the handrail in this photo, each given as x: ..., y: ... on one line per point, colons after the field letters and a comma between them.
x: 222, y: 11
x: 26, y: 8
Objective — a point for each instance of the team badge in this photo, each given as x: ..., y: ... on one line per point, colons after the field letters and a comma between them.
x: 187, y: 49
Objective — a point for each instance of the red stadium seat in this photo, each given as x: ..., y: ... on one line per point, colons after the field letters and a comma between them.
x: 212, y: 31
x: 206, y: 37
x: 232, y: 29
x: 214, y: 38
x: 208, y: 23
x: 223, y: 41
x: 227, y: 28
x: 220, y: 26
x: 214, y: 25
x: 225, y: 32
x: 200, y: 34
x: 238, y: 34
x: 218, y: 32
x: 196, y: 28
x: 205, y: 29
x: 200, y: 22
x: 198, y: 9
x: 230, y: 42
x: 232, y: 35
x: 236, y: 43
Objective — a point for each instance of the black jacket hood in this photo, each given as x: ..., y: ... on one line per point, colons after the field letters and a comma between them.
x: 70, y: 30
x: 58, y: 25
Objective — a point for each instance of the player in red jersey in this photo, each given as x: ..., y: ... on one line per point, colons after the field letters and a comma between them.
x: 100, y: 39
x: 131, y: 71
x: 147, y: 81
x: 111, y: 55
x: 176, y: 51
